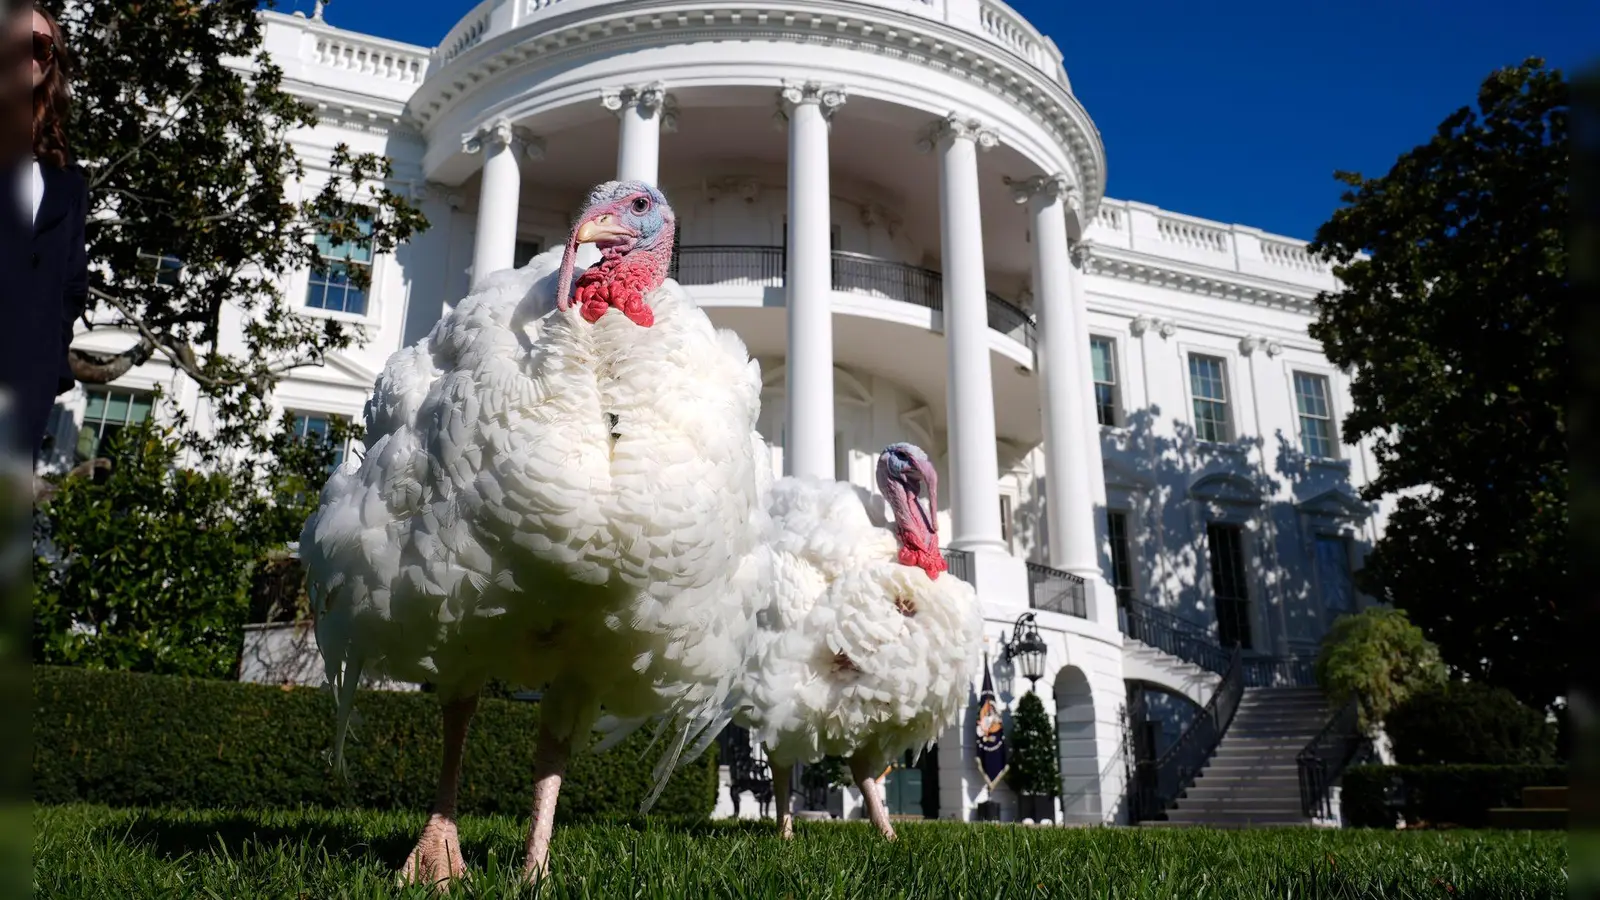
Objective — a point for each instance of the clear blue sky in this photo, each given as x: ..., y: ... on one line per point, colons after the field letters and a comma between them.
x: 1238, y: 110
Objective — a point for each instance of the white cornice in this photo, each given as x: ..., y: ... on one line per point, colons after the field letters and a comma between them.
x: 599, y: 31
x: 1140, y: 268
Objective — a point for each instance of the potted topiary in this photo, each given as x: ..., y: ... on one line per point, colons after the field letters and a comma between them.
x: 1034, y: 771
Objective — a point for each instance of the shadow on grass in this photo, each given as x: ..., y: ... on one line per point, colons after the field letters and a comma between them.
x: 173, y: 837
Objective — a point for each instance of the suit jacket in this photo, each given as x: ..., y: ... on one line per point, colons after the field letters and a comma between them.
x: 43, y: 286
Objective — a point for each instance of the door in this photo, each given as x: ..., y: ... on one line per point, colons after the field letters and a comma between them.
x: 1225, y: 551
x: 902, y: 788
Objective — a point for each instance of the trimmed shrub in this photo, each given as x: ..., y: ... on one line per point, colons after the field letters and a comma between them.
x: 1378, y: 654
x: 1467, y: 722
x: 126, y: 739
x: 1375, y: 796
x: 1035, y: 761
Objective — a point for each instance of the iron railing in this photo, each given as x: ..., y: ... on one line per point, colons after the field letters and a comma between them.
x: 960, y: 564
x: 1339, y: 743
x: 745, y: 771
x: 1056, y: 591
x: 1174, y: 635
x: 1160, y: 782
x: 854, y: 272
x: 1280, y: 671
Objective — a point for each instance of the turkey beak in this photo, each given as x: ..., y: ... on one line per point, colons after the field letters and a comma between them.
x: 603, y: 228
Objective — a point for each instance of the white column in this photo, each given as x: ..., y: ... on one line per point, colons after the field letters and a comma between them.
x: 974, y: 466
x: 1069, y: 498
x: 1093, y: 460
x: 808, y: 373
x: 495, y: 243
x: 645, y: 112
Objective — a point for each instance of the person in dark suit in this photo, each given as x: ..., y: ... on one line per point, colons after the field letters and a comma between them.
x: 48, y: 294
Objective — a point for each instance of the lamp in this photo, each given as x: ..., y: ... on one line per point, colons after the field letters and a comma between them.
x: 1027, y: 648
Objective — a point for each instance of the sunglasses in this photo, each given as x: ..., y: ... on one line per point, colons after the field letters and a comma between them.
x: 44, y: 48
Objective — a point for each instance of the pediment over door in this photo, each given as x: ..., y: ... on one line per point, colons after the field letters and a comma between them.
x: 1335, y: 503
x: 1226, y: 489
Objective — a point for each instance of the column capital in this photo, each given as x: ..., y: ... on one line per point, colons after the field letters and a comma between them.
x: 649, y: 97
x: 1045, y: 187
x: 957, y: 127
x: 829, y: 97
x: 500, y: 132
x: 1081, y: 251
x: 1164, y: 327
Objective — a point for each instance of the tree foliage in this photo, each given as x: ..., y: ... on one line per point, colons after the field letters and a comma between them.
x: 1380, y: 656
x: 146, y: 567
x: 1454, y: 321
x: 181, y: 125
x: 1034, y: 768
x: 1465, y: 722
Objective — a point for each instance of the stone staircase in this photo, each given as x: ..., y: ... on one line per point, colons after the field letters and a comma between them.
x: 1253, y: 779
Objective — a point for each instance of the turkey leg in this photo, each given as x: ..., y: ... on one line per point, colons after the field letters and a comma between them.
x: 780, y: 796
x: 550, y: 763
x: 872, y: 793
x: 437, y: 856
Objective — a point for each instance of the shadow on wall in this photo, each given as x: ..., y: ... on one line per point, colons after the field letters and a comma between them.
x: 1172, y: 486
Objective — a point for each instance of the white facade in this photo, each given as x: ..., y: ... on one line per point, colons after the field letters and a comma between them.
x: 898, y: 205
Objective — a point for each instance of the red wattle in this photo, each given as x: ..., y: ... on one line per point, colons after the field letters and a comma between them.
x: 616, y: 285
x: 928, y: 559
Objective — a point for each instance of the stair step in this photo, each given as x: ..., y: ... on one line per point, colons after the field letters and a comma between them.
x: 1235, y: 768
x: 1529, y: 819
x: 1277, y: 782
x: 1225, y: 825
x: 1545, y: 798
x: 1243, y: 792
x: 1237, y: 817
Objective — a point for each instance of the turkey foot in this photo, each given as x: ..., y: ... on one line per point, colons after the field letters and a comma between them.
x: 872, y: 793
x: 437, y: 856
x: 436, y: 859
x: 549, y: 765
x: 780, y: 796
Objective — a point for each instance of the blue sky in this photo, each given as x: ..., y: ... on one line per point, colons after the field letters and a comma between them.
x: 1240, y: 110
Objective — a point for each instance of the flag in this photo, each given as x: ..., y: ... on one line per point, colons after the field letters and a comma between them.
x: 991, y: 732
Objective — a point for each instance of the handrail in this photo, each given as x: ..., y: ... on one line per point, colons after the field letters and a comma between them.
x: 1056, y: 591
x: 1327, y: 755
x: 857, y: 273
x: 1175, y: 635
x: 1160, y: 782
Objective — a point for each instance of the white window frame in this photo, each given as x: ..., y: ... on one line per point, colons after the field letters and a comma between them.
x: 1229, y: 393
x: 1119, y: 417
x: 298, y: 290
x: 1334, y: 449
x: 109, y: 389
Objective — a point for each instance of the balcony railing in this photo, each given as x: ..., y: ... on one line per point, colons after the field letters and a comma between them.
x: 855, y: 273
x: 1056, y: 591
x: 960, y: 563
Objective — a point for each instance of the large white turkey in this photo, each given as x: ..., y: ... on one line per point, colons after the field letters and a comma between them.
x: 865, y: 646
x: 558, y: 491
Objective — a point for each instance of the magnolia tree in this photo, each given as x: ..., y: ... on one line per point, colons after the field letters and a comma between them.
x: 181, y: 124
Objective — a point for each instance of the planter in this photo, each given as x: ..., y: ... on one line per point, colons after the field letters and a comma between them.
x: 1038, y: 807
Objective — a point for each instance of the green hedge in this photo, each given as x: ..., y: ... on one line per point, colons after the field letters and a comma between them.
x: 126, y: 739
x: 1375, y: 796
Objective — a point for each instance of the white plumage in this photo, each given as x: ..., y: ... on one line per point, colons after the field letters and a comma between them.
x: 856, y: 654
x: 552, y: 501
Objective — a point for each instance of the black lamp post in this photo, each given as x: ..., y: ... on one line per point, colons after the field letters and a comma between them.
x: 1027, y: 648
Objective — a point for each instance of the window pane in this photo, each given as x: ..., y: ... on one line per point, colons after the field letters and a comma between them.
x: 1209, y: 387
x: 117, y: 408
x: 1205, y: 373
x: 1333, y: 575
x: 1100, y: 353
x: 96, y: 409
x: 1225, y: 548
x: 139, y: 408
x: 1121, y: 555
x: 1316, y: 419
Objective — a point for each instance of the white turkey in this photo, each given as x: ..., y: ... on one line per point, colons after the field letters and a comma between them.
x: 559, y: 491
x: 865, y: 645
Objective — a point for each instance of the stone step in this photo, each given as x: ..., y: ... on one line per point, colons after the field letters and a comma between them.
x: 1252, y: 741
x: 1524, y: 818
x: 1281, y: 783
x: 1237, y: 768
x: 1225, y: 826
x: 1244, y: 792
x: 1544, y: 798
x: 1238, y: 818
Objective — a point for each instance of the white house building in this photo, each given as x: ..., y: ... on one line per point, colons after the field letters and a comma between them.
x: 900, y: 206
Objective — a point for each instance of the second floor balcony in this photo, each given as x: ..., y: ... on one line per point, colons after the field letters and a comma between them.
x: 858, y: 273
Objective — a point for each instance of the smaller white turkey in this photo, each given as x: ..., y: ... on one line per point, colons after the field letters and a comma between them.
x: 865, y: 646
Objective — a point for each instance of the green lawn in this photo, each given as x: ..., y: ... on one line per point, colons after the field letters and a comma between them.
x: 94, y: 852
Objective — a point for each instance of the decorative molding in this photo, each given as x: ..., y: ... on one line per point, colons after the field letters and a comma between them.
x: 1225, y: 489
x: 1118, y: 475
x: 1080, y: 252
x: 650, y: 96
x: 366, y: 121
x: 919, y: 421
x: 501, y: 131
x: 433, y: 190
x: 1224, y: 286
x: 875, y: 214
x: 1141, y: 324
x: 1251, y: 343
x: 669, y: 115
x: 746, y: 188
x: 1334, y: 503
x: 828, y: 97
x: 956, y: 127
x: 1046, y: 187
x: 959, y: 53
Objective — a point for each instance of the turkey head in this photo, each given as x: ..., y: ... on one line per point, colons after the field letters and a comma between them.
x: 903, y: 472
x: 633, y: 226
